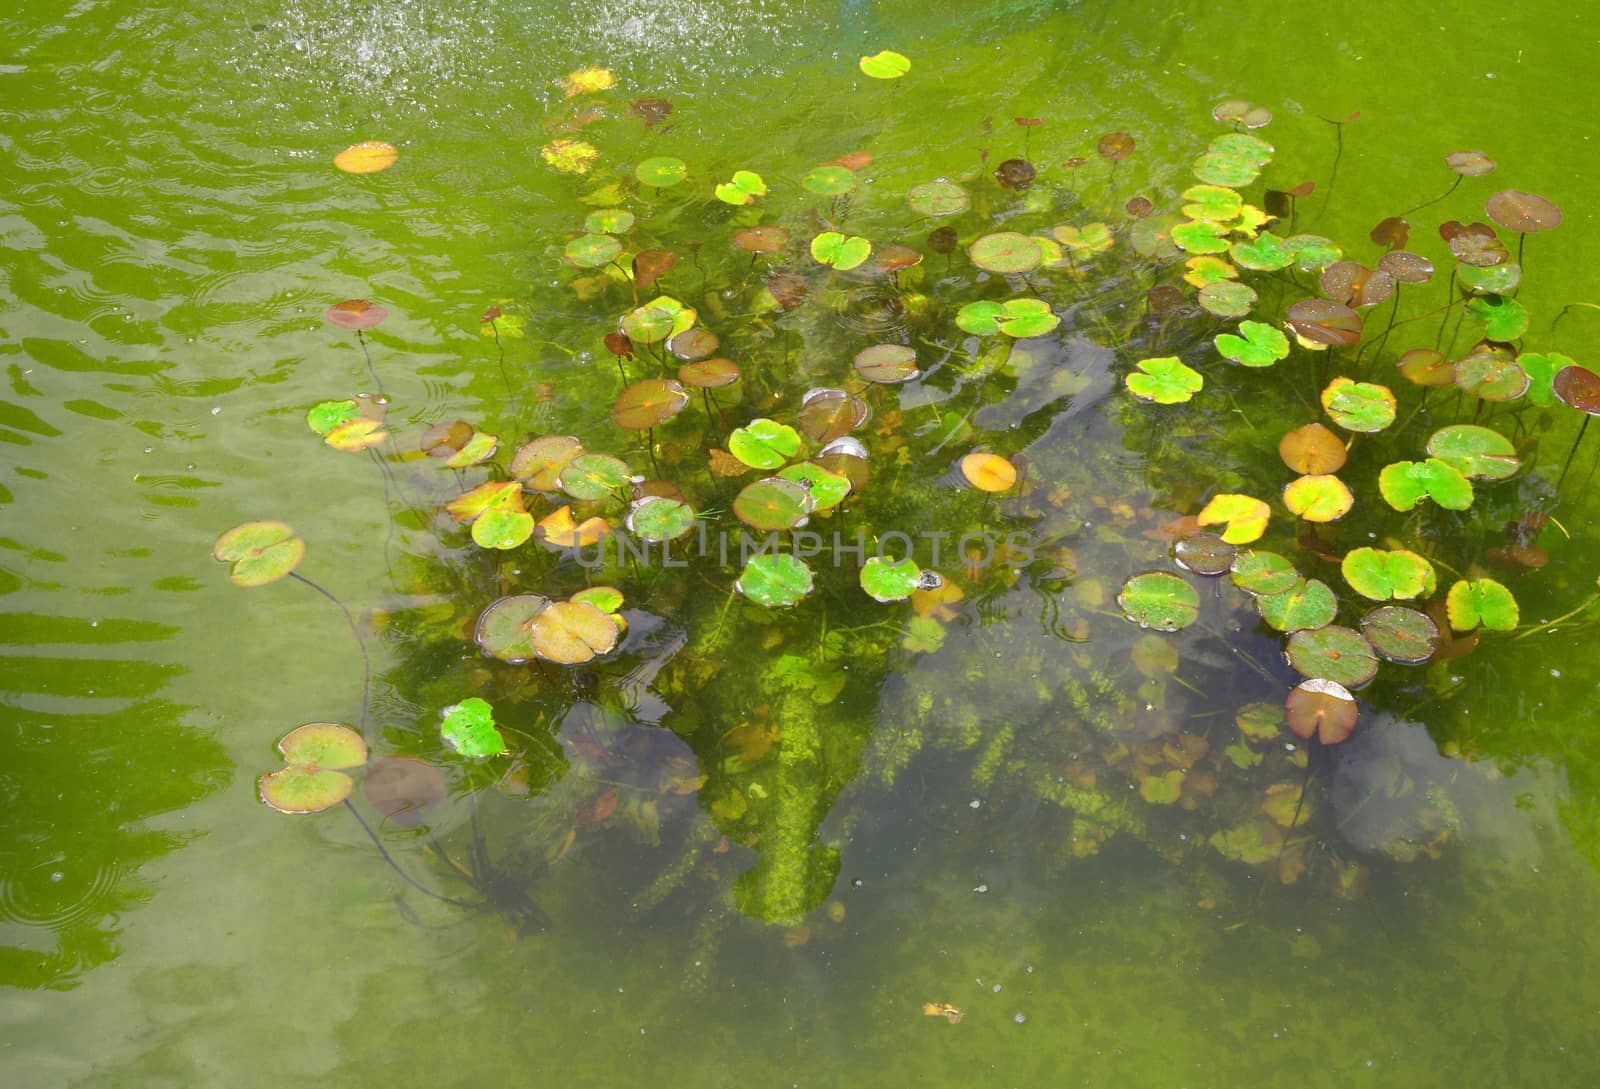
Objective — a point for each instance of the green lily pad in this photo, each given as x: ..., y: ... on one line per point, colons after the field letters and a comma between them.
x: 1223, y: 168
x: 887, y: 582
x: 1475, y: 452
x: 1227, y: 299
x: 572, y: 632
x: 480, y: 447
x: 468, y: 727
x: 648, y: 404
x: 775, y: 579
x: 1493, y: 280
x: 608, y: 221
x: 829, y: 181
x: 1215, y: 203
x: 505, y: 628
x: 1382, y: 575
x: 1160, y: 601
x: 773, y: 504
x: 503, y: 527
x: 1322, y: 707
x: 659, y: 518
x: 1259, y: 721
x: 594, y: 476
x: 833, y: 248
x: 647, y: 324
x: 356, y: 435
x: 538, y: 464
x: 1200, y: 236
x: 1087, y: 240
x: 1359, y: 406
x: 324, y: 416
x: 1481, y: 601
x: 661, y: 172
x: 608, y: 599
x: 323, y: 744
x: 1312, y: 252
x: 1162, y: 788
x: 1541, y: 369
x: 1165, y: 380
x: 1026, y: 318
x: 828, y: 489
x: 745, y: 187
x: 1264, y: 253
x: 1244, y: 146
x: 261, y: 552
x: 1400, y: 634
x: 1305, y: 607
x: 1333, y: 653
x: 1404, y: 483
x: 888, y: 364
x: 938, y: 198
x: 312, y: 780
x: 1491, y: 377
x: 592, y: 250
x: 1263, y: 573
x: 1504, y: 319
x: 980, y: 318
x: 1259, y: 345
x: 885, y: 64
x: 1007, y: 253
x: 764, y: 443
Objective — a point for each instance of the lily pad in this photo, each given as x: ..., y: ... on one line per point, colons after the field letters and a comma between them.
x: 1333, y: 653
x: 468, y: 727
x: 650, y: 265
x: 1541, y: 369
x: 1258, y: 345
x: 1470, y: 164
x: 1384, y: 575
x: 538, y: 464
x: 1321, y: 707
x: 260, y: 552
x: 744, y: 188
x: 1494, y: 280
x: 505, y: 628
x: 1481, y: 601
x: 1427, y: 368
x: 1505, y: 319
x: 1400, y: 634
x: 324, y: 416
x: 888, y: 364
x: 1007, y: 253
x: 938, y: 198
x: 658, y: 518
x: 842, y: 253
x: 1491, y: 377
x: 1359, y: 406
x: 828, y: 414
x: 1318, y: 497
x: 1355, y: 284
x: 1475, y: 452
x: 1204, y: 554
x: 1261, y: 573
x: 775, y: 579
x: 693, y: 345
x: 764, y: 443
x: 592, y: 250
x: 367, y: 157
x: 1523, y: 212
x: 355, y: 315
x: 1246, y: 517
x: 1264, y: 253
x: 572, y: 632
x: 1404, y: 483
x: 1216, y: 203
x: 763, y: 239
x: 356, y: 435
x: 828, y: 489
x: 709, y: 374
x: 313, y: 780
x: 594, y: 476
x: 403, y: 788
x: 648, y: 404
x: 1200, y: 236
x: 1115, y: 146
x: 608, y: 221
x: 1222, y: 168
x: 773, y: 504
x: 1579, y: 388
x: 1165, y: 380
x: 885, y: 64
x: 1312, y: 252
x: 1320, y: 324
x: 1304, y: 607
x: 988, y: 472
x: 889, y: 582
x: 1406, y: 268
x: 1160, y: 601
x: 1237, y: 111
x: 1227, y: 299
x: 829, y: 181
x: 661, y: 172
x: 1312, y: 449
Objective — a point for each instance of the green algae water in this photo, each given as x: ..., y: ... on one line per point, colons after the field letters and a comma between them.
x: 809, y: 822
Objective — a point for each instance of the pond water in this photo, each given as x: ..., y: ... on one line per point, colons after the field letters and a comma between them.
x: 995, y: 835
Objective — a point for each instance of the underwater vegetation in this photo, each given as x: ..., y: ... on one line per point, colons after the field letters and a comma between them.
x: 827, y: 446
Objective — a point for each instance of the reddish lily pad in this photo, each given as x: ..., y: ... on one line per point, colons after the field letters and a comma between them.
x: 887, y: 363
x: 1491, y: 377
x: 1320, y: 324
x: 1523, y: 212
x: 648, y: 404
x: 828, y: 414
x: 356, y: 314
x: 1204, y: 554
x: 1321, y: 707
x: 403, y: 788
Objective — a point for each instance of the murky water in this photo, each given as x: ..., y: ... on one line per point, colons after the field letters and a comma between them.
x: 174, y: 232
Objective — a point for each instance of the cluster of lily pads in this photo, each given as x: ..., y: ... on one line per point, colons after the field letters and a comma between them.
x: 1192, y: 294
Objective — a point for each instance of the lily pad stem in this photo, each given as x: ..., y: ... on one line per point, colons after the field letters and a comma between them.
x: 1548, y: 624
x: 361, y: 644
x: 376, y: 381
x: 395, y: 866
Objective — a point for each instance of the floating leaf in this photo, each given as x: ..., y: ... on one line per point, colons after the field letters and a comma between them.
x: 1356, y: 285
x: 1212, y: 202
x: 569, y: 156
x: 938, y: 198
x: 1318, y: 497
x: 355, y: 314
x: 1239, y: 112
x: 592, y: 250
x: 608, y: 221
x: 1312, y: 449
x: 1007, y: 253
x: 480, y: 447
x: 403, y: 788
x: 356, y: 435
x: 608, y: 599
x: 988, y: 472
x: 1015, y: 174
x: 648, y: 404
x: 828, y: 414
x: 1400, y: 634
x: 1200, y: 236
x: 1579, y: 388
x: 312, y: 781
x: 260, y: 552
x: 1470, y: 164
x: 1381, y: 576
x: 588, y: 81
x: 744, y: 188
x: 494, y: 493
x: 1359, y: 406
x: 888, y: 582
x: 885, y: 65
x: 650, y: 265
x: 1162, y: 788
x: 661, y: 171
x: 367, y: 157
x: 773, y: 504
x: 764, y: 443
x: 1406, y: 268
x: 763, y: 239
x: 828, y: 489
x: 1494, y: 280
x: 561, y: 530
x: 693, y: 344
x: 1475, y: 245
x: 1403, y: 483
x: 593, y: 476
x: 1160, y: 601
x: 1227, y: 299
x: 1504, y: 319
x: 833, y: 248
x: 1312, y: 252
x: 538, y: 464
x: 1264, y: 573
x: 1260, y: 345
x: 1246, y: 517
x: 1204, y: 554
x: 1491, y: 377
x: 1165, y: 380
x: 829, y: 181
x: 1322, y: 707
x: 1264, y: 253
x: 505, y: 628
x: 709, y: 374
x: 324, y: 416
x: 775, y: 579
x: 1205, y: 269
x: 887, y: 363
x: 1333, y: 653
x: 572, y: 632
x: 1475, y: 452
x: 1087, y: 240
x: 1428, y: 368
x: 468, y: 727
x: 657, y: 518
x: 1481, y: 601
x: 1523, y: 212
x: 1319, y: 324
x: 1221, y: 168
x: 1304, y: 607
